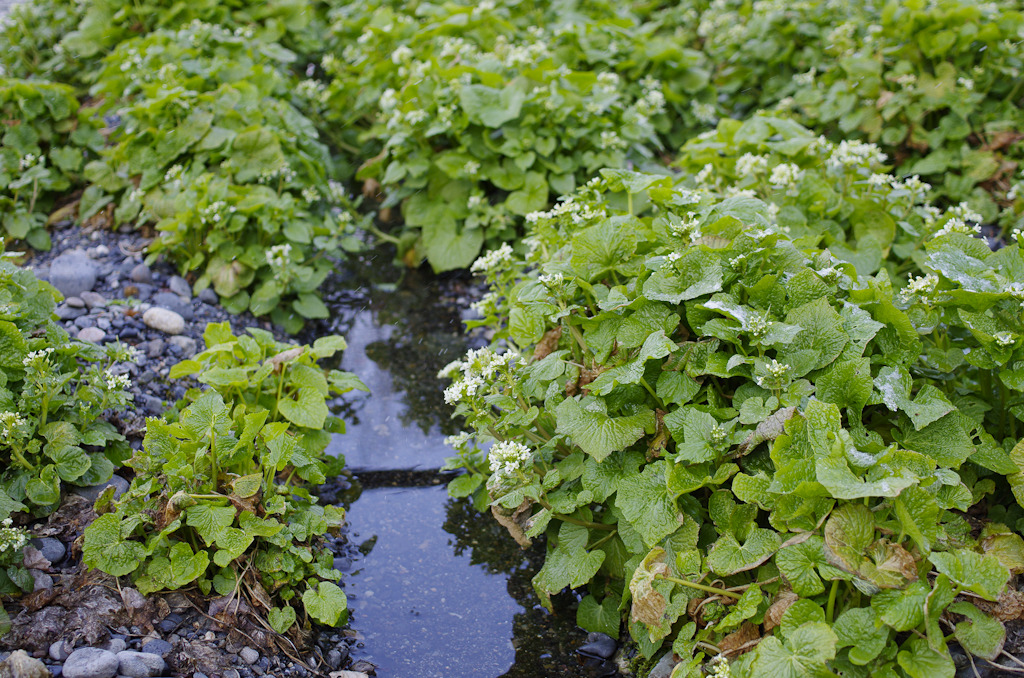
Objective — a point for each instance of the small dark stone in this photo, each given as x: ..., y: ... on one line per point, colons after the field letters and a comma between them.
x: 173, y: 302
x: 73, y: 273
x: 85, y: 321
x: 170, y: 623
x: 157, y: 646
x: 208, y: 296
x: 180, y: 286
x: 91, y: 493
x: 54, y: 551
x: 598, y: 645
x: 65, y: 312
x: 141, y: 274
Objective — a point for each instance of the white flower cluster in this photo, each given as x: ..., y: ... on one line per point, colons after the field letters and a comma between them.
x: 459, y: 440
x: 758, y: 325
x: 610, y: 141
x: 703, y: 111
x: 8, y: 422
x: 284, y: 173
x: 508, y: 457
x: 492, y: 260
x: 964, y: 211
x: 578, y: 213
x: 776, y: 373
x: 1004, y: 339
x: 117, y: 381
x: 750, y: 164
x: 310, y: 194
x: 720, y: 667
x: 12, y: 539
x: 785, y: 176
x: 653, y: 100
x: 552, y: 280
x: 29, y: 160
x: 279, y: 255
x: 214, y: 212
x: 704, y: 174
x: 966, y: 83
x: 921, y: 285
x: 310, y: 89
x: 37, y: 357
x: 688, y: 228
x: 957, y: 225
x: 470, y: 372
x: 855, y: 153
x: 804, y: 79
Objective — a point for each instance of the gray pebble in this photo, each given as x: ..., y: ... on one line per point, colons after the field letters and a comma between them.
x: 65, y: 312
x: 92, y: 334
x: 116, y: 645
x: 208, y: 296
x: 75, y: 302
x: 164, y: 320
x: 20, y: 665
x: 103, y: 323
x: 91, y: 662
x: 85, y: 321
x: 231, y: 673
x: 197, y: 674
x: 173, y: 302
x: 141, y: 274
x: 73, y: 273
x: 180, y: 286
x: 42, y: 580
x: 186, y: 344
x: 91, y: 493
x: 140, y: 664
x: 249, y: 655
x: 60, y: 650
x: 157, y: 647
x: 94, y: 299
x: 52, y: 549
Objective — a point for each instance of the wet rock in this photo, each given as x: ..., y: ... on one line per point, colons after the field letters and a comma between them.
x: 116, y: 645
x: 141, y: 274
x: 20, y: 665
x: 663, y: 669
x: 180, y: 286
x: 52, y: 549
x: 91, y: 662
x: 92, y: 334
x: 157, y: 646
x: 208, y: 296
x: 140, y: 664
x: 85, y: 321
x: 249, y: 655
x: 42, y: 580
x: 173, y: 302
x: 94, y: 491
x: 598, y: 645
x: 65, y: 312
x: 73, y: 273
x: 75, y: 302
x: 94, y: 300
x: 164, y: 320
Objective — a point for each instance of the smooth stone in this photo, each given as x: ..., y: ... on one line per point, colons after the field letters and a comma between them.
x: 65, y: 312
x: 598, y: 645
x: 334, y: 659
x: 91, y: 334
x: 141, y: 274
x: 100, y: 250
x: 75, y: 302
x: 232, y: 673
x: 157, y: 646
x: 20, y: 665
x: 186, y: 344
x: 173, y: 302
x: 155, y: 348
x: 116, y: 645
x: 60, y: 650
x: 208, y: 296
x: 85, y: 321
x: 140, y: 664
x: 180, y: 286
x: 249, y: 655
x: 663, y: 669
x: 91, y: 493
x: 103, y: 324
x: 164, y: 320
x: 73, y: 273
x: 53, y: 550
x: 42, y: 580
x: 94, y: 299
x: 91, y: 662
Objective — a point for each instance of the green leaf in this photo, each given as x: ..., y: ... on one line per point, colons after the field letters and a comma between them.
x: 206, y: 417
x: 600, y: 617
x: 981, y: 634
x: 598, y: 434
x: 727, y: 556
x: 210, y: 521
x: 819, y: 343
x: 646, y: 503
x: 982, y: 574
x: 282, y: 618
x: 325, y: 602
x: 798, y: 563
x: 532, y: 197
x: 309, y: 409
x: 493, y: 107
x: 804, y: 653
x: 108, y: 547
x: 695, y: 274
x: 859, y: 629
x: 918, y: 516
x: 921, y: 661
x: 903, y: 610
x: 309, y: 305
x: 846, y: 383
x: 568, y: 563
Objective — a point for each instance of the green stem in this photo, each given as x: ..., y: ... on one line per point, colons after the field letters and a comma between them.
x: 703, y: 587
x: 386, y: 237
x: 18, y: 457
x: 603, y: 539
x: 831, y: 608
x: 629, y: 203
x: 643, y: 382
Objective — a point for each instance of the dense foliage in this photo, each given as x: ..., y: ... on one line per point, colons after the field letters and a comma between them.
x: 219, y: 497
x: 733, y: 435
x: 53, y: 391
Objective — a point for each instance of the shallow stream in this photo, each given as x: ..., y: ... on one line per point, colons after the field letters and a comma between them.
x: 438, y: 589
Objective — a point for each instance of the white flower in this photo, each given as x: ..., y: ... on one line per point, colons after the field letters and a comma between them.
x: 1004, y: 339
x: 704, y: 174
x: 8, y: 422
x: 117, y: 381
x: 401, y: 55
x: 12, y: 539
x: 957, y: 225
x: 27, y: 161
x: 688, y: 228
x: 552, y: 280
x: 611, y: 141
x: 750, y: 164
x: 37, y: 357
x: 855, y: 153
x: 720, y: 667
x: 174, y: 173
x: 921, y: 285
x: 805, y: 78
x: 459, y: 440
x: 878, y: 179
x: 472, y: 167
x: 388, y: 100
x: 785, y: 176
x: 966, y: 83
x: 492, y: 260
x: 705, y: 112
x: 508, y: 457
x: 279, y: 255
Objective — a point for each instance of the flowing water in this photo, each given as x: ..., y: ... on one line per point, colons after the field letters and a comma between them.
x: 438, y: 588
